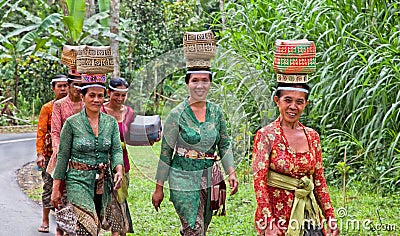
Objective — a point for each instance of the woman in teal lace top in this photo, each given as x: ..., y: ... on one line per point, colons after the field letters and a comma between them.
x: 89, y: 150
x: 193, y: 131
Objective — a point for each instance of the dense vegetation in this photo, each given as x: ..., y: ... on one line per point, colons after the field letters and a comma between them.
x: 355, y: 100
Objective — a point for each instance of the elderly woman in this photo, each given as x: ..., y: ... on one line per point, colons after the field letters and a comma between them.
x: 89, y: 151
x: 289, y: 182
x: 288, y: 174
x: 192, y: 132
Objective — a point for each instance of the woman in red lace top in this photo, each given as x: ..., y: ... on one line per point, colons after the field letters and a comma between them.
x: 286, y: 151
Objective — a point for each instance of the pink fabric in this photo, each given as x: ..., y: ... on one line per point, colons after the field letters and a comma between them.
x: 129, y: 116
x: 62, y: 109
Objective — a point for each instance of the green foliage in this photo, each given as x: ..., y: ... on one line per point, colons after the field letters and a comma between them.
x: 34, y: 87
x: 355, y: 97
x: 153, y: 29
x: 74, y: 21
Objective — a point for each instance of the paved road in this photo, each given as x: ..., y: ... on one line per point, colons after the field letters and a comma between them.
x: 19, y: 216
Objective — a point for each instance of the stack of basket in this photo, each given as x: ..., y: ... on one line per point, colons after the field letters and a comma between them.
x: 199, y: 48
x: 294, y: 60
x: 91, y: 62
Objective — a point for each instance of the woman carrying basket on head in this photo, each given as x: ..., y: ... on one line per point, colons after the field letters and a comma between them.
x: 193, y: 131
x: 289, y: 182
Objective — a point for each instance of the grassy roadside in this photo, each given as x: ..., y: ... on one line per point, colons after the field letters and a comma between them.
x: 365, y: 213
x: 18, y: 129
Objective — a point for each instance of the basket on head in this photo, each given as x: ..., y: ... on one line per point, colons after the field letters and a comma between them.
x: 294, y: 57
x: 199, y: 48
x: 95, y: 60
x: 69, y: 54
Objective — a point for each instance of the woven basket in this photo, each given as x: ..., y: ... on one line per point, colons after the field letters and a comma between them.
x: 294, y: 56
x: 69, y: 54
x: 199, y: 48
x: 95, y: 60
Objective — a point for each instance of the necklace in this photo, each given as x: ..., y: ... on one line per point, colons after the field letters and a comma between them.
x: 94, y: 126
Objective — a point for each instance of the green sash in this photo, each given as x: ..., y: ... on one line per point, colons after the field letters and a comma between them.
x: 304, y: 207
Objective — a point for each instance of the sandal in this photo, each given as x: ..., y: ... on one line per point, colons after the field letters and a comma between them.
x: 43, y: 229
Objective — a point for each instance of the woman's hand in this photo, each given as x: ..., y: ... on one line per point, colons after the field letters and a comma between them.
x: 158, y: 138
x: 118, y: 177
x: 158, y: 195
x: 55, y: 199
x: 333, y: 229
x: 40, y: 161
x: 233, y: 182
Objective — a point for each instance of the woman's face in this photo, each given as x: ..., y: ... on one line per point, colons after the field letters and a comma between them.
x: 118, y: 98
x: 74, y: 92
x: 291, y: 104
x: 60, y: 89
x: 93, y: 99
x: 199, y: 85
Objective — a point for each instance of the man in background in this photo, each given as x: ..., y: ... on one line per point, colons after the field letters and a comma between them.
x: 44, y: 150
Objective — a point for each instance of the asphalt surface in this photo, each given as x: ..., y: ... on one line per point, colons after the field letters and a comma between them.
x: 19, y: 216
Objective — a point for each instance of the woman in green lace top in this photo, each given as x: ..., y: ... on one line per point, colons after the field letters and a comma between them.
x: 193, y: 131
x: 89, y: 150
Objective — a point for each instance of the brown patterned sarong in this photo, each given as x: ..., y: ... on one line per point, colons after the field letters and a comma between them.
x: 87, y: 222
x: 47, y: 186
x: 200, y: 227
x: 117, y: 216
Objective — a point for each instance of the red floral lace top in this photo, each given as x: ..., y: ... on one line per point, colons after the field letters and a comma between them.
x: 272, y: 151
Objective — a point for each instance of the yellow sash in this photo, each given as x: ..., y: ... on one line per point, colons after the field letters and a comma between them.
x: 304, y: 207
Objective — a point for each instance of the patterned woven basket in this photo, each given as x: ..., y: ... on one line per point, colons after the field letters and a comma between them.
x: 294, y: 56
x: 199, y: 48
x: 69, y: 54
x: 95, y: 60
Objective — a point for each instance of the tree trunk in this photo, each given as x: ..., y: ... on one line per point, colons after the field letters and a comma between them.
x: 199, y: 8
x: 90, y: 8
x: 64, y: 7
x: 131, y: 48
x: 223, y: 16
x: 16, y: 83
x: 114, y: 21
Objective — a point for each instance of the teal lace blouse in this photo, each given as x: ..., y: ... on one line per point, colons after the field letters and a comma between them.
x: 78, y: 143
x: 182, y: 129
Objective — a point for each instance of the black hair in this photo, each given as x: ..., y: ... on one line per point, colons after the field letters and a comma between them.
x: 115, y: 82
x: 85, y: 90
x: 187, y: 77
x: 294, y: 85
x: 59, y: 76
x: 71, y: 78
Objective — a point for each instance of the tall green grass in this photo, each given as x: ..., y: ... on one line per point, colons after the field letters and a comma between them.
x: 355, y: 99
